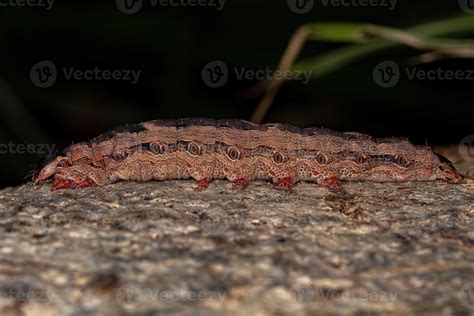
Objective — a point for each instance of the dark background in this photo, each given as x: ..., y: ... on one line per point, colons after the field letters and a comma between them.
x: 171, y: 45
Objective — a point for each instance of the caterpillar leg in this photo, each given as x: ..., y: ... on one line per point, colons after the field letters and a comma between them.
x: 203, y: 184
x: 285, y: 183
x: 61, y: 183
x: 332, y: 183
x: 241, y: 183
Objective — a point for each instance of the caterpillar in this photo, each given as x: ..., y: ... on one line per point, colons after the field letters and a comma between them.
x: 240, y: 151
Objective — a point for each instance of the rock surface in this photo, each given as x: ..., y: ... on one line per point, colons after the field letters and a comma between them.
x: 162, y: 248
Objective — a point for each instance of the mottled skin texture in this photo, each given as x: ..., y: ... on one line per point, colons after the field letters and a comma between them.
x: 240, y: 151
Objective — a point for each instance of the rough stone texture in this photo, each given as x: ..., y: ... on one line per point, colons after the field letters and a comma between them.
x: 162, y: 248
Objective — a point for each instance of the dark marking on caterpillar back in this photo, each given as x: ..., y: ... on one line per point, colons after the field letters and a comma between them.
x: 288, y: 128
x: 165, y: 123
x: 240, y: 124
x: 195, y: 122
x: 131, y: 128
x: 391, y: 140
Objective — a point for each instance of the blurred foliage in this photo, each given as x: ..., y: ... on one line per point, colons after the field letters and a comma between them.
x: 370, y: 39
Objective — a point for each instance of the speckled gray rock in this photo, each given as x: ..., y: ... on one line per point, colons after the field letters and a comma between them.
x: 162, y: 248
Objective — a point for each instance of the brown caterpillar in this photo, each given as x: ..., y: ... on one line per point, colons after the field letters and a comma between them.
x: 240, y: 151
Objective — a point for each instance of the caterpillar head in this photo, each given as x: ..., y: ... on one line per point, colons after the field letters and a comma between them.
x: 67, y: 172
x: 445, y: 170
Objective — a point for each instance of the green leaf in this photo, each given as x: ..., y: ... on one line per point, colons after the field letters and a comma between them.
x: 337, y: 32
